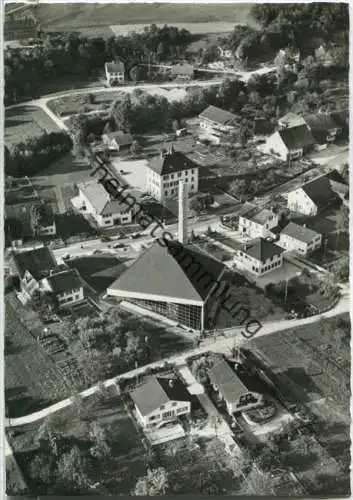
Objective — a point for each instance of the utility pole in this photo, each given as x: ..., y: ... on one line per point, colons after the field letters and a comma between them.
x: 286, y: 291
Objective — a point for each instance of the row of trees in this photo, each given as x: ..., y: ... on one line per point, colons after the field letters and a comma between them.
x: 71, y: 55
x: 35, y: 154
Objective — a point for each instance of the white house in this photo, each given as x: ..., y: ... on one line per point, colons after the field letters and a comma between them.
x: 46, y: 225
x: 94, y: 200
x: 236, y: 395
x: 289, y: 143
x: 300, y: 239
x: 114, y: 72
x: 259, y: 257
x: 217, y: 121
x: 66, y: 286
x: 166, y: 170
x: 258, y: 223
x: 161, y: 400
x: 225, y: 53
x: 317, y: 194
x: 117, y: 141
x: 184, y: 71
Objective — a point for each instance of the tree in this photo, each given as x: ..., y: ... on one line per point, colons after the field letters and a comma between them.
x: 340, y: 270
x: 121, y: 113
x: 135, y: 148
x: 42, y: 468
x: 154, y: 483
x: 100, y: 447
x: 78, y: 129
x: 258, y: 483
x: 72, y: 469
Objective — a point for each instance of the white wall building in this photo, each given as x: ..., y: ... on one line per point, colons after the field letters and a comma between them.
x: 258, y: 223
x: 96, y: 201
x: 259, y: 257
x: 289, y: 144
x: 217, y: 121
x: 161, y: 400
x: 114, y: 72
x: 66, y: 286
x: 165, y: 171
x: 299, y: 239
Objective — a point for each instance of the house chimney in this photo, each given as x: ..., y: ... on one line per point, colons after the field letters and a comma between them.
x: 183, y: 213
x: 171, y: 150
x: 171, y: 382
x: 304, y: 225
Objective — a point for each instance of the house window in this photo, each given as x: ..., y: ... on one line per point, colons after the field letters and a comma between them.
x: 77, y: 296
x: 166, y: 193
x: 192, y: 186
x: 154, y: 417
x: 162, y: 407
x: 179, y: 174
x: 183, y: 409
x: 168, y: 414
x: 174, y: 404
x: 172, y: 191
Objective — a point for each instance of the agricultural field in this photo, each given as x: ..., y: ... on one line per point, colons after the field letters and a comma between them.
x: 83, y: 103
x: 24, y: 122
x: 85, y: 15
x: 32, y: 380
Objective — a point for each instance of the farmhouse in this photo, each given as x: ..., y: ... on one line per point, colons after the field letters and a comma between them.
x: 117, y: 141
x: 31, y: 267
x: 225, y: 53
x: 290, y: 120
x: 161, y: 400
x: 94, y: 200
x: 166, y: 170
x: 289, y: 143
x: 173, y: 280
x: 217, y: 121
x: 317, y: 194
x: 236, y: 395
x: 323, y: 127
x: 300, y: 239
x: 114, y: 72
x: 259, y: 257
x: 258, y: 223
x: 65, y: 285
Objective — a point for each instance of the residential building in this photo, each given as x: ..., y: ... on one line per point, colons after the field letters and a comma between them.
x: 299, y: 239
x: 31, y: 267
x: 289, y: 143
x: 323, y: 127
x: 290, y: 120
x: 65, y: 285
x: 217, y: 121
x: 161, y: 400
x: 317, y: 194
x: 114, y: 72
x: 225, y: 53
x: 20, y: 28
x: 166, y: 170
x: 94, y: 200
x: 258, y: 223
x: 232, y: 390
x: 341, y: 118
x: 172, y: 280
x: 117, y: 141
x: 45, y: 224
x: 184, y: 71
x: 259, y: 257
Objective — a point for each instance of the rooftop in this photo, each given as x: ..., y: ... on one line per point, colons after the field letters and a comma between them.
x: 64, y: 281
x: 100, y: 199
x: 175, y: 270
x: 183, y: 69
x: 121, y: 138
x: 261, y: 216
x: 301, y: 233
x: 220, y: 116
x: 322, y: 189
x: 292, y: 120
x: 321, y: 122
x: 227, y: 381
x: 115, y: 67
x: 38, y: 262
x: 261, y: 249
x: 170, y: 162
x: 158, y: 391
x: 297, y: 137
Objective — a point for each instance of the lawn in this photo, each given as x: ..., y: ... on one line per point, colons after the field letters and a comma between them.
x: 79, y: 103
x: 24, y: 122
x: 117, y: 473
x: 72, y: 225
x: 31, y: 378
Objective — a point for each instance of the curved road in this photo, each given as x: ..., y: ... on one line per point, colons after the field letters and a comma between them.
x: 222, y: 345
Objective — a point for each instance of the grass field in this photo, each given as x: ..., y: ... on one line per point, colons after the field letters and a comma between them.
x: 31, y: 377
x: 24, y: 122
x: 85, y: 15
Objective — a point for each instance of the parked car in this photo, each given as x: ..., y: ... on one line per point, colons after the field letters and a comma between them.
x: 105, y: 238
x: 181, y: 131
x: 119, y: 245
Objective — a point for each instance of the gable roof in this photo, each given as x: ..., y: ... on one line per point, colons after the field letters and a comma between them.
x: 121, y: 138
x: 320, y: 122
x: 292, y: 120
x: 38, y: 262
x: 115, y: 67
x: 100, y: 199
x: 174, y: 270
x: 300, y: 233
x: 170, y: 162
x: 64, y: 281
x: 182, y: 69
x: 158, y: 391
x: 321, y: 190
x: 341, y: 117
x: 296, y: 137
x: 261, y: 249
x: 218, y: 115
x: 260, y: 216
x: 227, y: 381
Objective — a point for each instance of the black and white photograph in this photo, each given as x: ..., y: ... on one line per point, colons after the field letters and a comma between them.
x: 176, y: 249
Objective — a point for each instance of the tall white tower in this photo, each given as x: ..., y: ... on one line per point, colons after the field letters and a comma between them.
x: 183, y: 213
